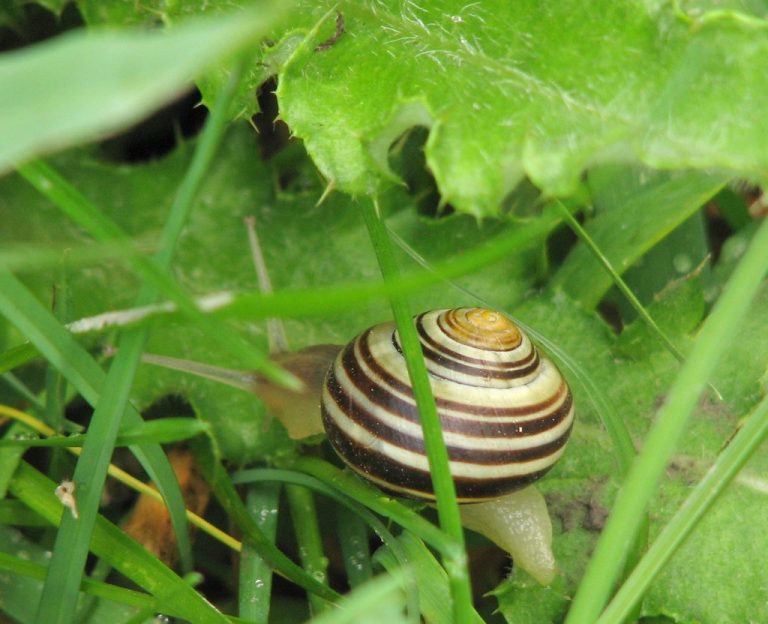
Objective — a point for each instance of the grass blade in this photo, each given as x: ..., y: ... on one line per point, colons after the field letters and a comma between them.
x: 308, y: 540
x: 586, y: 239
x: 162, y: 431
x: 255, y: 580
x: 749, y: 437
x: 61, y: 350
x: 59, y: 599
x: 228, y: 497
x: 125, y: 555
x: 437, y: 454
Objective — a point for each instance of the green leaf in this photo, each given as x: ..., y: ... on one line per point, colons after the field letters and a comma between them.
x: 101, y: 81
x: 20, y: 589
x: 679, y: 589
x: 678, y: 310
x: 381, y: 599
x: 509, y: 90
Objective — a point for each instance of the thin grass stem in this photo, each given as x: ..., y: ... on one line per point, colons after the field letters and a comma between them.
x: 445, y: 493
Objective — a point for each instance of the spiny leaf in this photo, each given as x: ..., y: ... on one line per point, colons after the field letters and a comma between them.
x: 511, y: 90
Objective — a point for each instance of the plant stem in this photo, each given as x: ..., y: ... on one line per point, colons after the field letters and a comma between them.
x: 447, y: 508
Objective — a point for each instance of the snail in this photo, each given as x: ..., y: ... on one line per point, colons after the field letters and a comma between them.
x: 506, y: 412
x: 505, y: 409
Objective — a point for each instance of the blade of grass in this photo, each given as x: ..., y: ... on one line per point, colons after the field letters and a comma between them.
x: 255, y: 578
x: 646, y: 472
x: 743, y: 445
x: 16, y: 513
x: 59, y: 597
x: 455, y: 560
x: 380, y: 600
x: 108, y: 591
x: 225, y: 492
x: 623, y: 286
x: 24, y: 391
x: 103, y: 80
x: 310, y: 302
x: 372, y: 498
x: 310, y: 544
x: 55, y: 382
x: 348, y: 500
x: 433, y: 588
x: 586, y: 239
x: 18, y: 355
x: 353, y: 539
x: 38, y: 257
x: 60, y: 592
x: 62, y: 351
x: 9, y: 460
x: 162, y: 431
x: 654, y: 202
x: 126, y: 479
x: 110, y: 542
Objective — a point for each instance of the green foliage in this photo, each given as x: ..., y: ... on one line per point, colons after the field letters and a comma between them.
x: 102, y: 81
x: 635, y: 114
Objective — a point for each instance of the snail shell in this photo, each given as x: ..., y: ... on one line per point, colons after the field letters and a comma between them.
x: 506, y: 411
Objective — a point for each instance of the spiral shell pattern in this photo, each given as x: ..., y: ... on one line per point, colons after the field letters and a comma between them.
x: 506, y: 411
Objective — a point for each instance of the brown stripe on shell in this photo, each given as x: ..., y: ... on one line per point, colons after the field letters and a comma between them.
x: 364, y: 418
x: 399, y: 479
x: 422, y: 329
x: 383, y: 396
x: 470, y: 429
x: 430, y: 342
x: 467, y: 454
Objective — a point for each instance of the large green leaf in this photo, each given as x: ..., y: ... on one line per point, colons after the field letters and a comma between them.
x: 509, y: 89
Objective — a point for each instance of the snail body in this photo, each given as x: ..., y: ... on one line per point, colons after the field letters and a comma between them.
x: 505, y: 410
